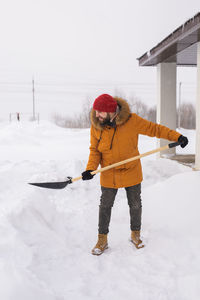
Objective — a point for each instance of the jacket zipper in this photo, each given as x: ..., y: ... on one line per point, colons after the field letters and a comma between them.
x: 114, y: 183
x: 99, y: 139
x: 113, y: 137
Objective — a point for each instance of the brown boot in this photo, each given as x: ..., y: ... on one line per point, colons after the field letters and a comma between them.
x: 101, y: 245
x: 135, y: 239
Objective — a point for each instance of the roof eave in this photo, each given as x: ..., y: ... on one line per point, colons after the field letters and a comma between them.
x: 180, y: 39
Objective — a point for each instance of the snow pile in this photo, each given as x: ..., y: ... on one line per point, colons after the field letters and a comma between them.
x: 47, y: 235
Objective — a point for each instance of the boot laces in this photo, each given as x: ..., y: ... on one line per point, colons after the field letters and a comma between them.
x: 101, y: 242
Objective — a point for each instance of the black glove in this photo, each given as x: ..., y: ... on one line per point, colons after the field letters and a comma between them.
x: 86, y: 175
x: 183, y: 141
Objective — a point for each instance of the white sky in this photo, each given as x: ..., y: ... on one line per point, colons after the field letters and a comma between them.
x: 86, y: 40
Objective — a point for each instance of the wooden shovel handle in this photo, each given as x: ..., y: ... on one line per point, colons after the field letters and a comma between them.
x: 77, y: 178
x: 130, y: 159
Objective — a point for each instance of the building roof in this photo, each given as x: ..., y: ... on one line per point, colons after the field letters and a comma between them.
x: 180, y: 46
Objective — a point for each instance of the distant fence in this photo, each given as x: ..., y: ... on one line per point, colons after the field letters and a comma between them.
x: 17, y: 116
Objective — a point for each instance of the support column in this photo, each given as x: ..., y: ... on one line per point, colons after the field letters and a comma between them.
x: 166, y: 99
x: 197, y: 155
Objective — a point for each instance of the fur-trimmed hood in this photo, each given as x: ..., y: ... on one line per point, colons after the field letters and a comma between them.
x: 123, y: 115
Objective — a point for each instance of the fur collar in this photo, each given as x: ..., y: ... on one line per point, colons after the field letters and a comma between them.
x: 122, y: 117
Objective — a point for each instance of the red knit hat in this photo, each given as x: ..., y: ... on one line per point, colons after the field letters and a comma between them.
x: 105, y: 103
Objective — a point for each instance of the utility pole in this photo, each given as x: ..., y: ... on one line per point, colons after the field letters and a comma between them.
x: 179, y: 106
x: 33, y: 90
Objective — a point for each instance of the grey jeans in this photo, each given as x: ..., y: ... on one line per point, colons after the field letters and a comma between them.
x: 106, y: 203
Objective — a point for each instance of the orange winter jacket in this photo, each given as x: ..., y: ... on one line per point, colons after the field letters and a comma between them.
x: 110, y: 145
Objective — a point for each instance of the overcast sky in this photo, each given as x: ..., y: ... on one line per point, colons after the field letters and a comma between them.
x: 85, y: 40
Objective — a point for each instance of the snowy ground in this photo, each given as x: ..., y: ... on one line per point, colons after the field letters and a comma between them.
x: 47, y: 235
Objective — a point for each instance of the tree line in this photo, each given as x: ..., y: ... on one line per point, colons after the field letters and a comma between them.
x: 82, y: 120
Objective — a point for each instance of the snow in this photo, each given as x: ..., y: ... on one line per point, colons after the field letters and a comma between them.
x: 47, y: 235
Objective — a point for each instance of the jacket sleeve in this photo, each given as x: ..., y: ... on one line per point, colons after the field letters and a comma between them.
x: 146, y: 127
x: 95, y: 155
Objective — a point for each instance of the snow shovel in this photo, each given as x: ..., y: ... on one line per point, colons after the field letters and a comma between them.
x: 63, y: 184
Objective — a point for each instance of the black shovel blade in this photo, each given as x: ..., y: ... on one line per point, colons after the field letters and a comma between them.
x: 53, y: 185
